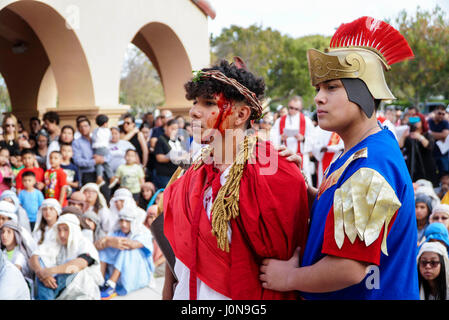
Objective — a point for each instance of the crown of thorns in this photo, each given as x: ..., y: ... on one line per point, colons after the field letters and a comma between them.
x: 248, y: 94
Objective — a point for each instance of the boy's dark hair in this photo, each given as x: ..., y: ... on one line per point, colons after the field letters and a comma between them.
x: 68, y: 126
x: 64, y: 144
x: 101, y: 119
x: 207, y: 88
x: 14, y: 153
x: 51, y: 116
x: 82, y: 118
x: 27, y: 151
x: 440, y: 107
x: 28, y: 174
x: 128, y: 150
x: 55, y: 151
x: 170, y: 122
x: 35, y: 119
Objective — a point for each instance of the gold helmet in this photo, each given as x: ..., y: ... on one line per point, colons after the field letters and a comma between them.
x: 362, y: 49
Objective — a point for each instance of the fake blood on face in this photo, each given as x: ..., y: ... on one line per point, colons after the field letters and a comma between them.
x: 225, y: 107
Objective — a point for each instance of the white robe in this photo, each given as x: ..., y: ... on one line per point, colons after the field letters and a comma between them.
x: 12, y: 283
x: 321, y: 139
x: 292, y: 123
x: 86, y: 283
x: 204, y: 292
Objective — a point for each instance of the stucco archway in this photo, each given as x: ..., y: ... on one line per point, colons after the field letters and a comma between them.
x: 168, y: 55
x: 52, y: 60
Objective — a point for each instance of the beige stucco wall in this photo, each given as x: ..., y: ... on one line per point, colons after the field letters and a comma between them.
x: 79, y: 48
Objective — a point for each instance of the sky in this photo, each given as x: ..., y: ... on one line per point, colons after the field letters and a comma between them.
x: 299, y: 18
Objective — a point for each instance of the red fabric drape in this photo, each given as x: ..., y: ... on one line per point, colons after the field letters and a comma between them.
x: 272, y: 223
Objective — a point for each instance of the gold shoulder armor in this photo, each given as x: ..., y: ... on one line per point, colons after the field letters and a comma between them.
x: 362, y: 205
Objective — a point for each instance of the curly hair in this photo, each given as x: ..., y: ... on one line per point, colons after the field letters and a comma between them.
x: 209, y: 87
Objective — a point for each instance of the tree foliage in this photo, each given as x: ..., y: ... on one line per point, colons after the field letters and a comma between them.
x: 427, y: 33
x: 5, y: 102
x: 140, y: 85
x: 281, y: 60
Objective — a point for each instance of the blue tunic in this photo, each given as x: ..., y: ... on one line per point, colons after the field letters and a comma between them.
x: 135, y: 266
x: 396, y: 275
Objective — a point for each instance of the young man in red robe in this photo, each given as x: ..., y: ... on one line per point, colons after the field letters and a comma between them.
x: 235, y: 205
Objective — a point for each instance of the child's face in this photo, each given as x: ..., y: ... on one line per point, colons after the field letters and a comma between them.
x: 147, y: 193
x: 67, y: 153
x: 29, y: 182
x: 4, y: 156
x: 119, y: 204
x: 158, y: 198
x: 7, y: 237
x: 130, y: 157
x: 42, y: 142
x: 55, y: 160
x: 49, y: 214
x: 3, y: 219
x: 16, y: 161
x: 63, y: 233
x: 421, y: 210
x: 125, y: 226
x: 28, y: 160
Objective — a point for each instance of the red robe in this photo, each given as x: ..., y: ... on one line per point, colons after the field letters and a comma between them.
x: 273, y: 221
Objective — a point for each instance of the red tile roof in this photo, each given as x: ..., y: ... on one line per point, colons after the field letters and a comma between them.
x: 205, y: 6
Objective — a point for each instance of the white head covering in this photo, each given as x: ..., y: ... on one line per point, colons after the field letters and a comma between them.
x: 25, y: 243
x: 426, y: 187
x: 12, y: 195
x: 95, y: 187
x: 120, y: 194
x: 438, y: 248
x: 7, y: 209
x: 76, y: 244
x: 52, y: 252
x: 53, y: 203
x: 440, y: 208
x: 131, y: 212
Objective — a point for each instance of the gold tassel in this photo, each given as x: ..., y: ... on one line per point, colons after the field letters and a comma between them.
x: 226, y: 205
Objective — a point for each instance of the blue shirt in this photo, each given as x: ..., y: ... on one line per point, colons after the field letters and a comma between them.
x: 83, y: 155
x: 31, y: 201
x: 396, y: 274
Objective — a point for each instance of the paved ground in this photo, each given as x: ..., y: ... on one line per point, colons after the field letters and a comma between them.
x: 152, y: 292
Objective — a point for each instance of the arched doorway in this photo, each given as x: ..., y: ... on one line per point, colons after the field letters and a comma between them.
x: 43, y: 63
x: 140, y: 84
x: 168, y: 55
